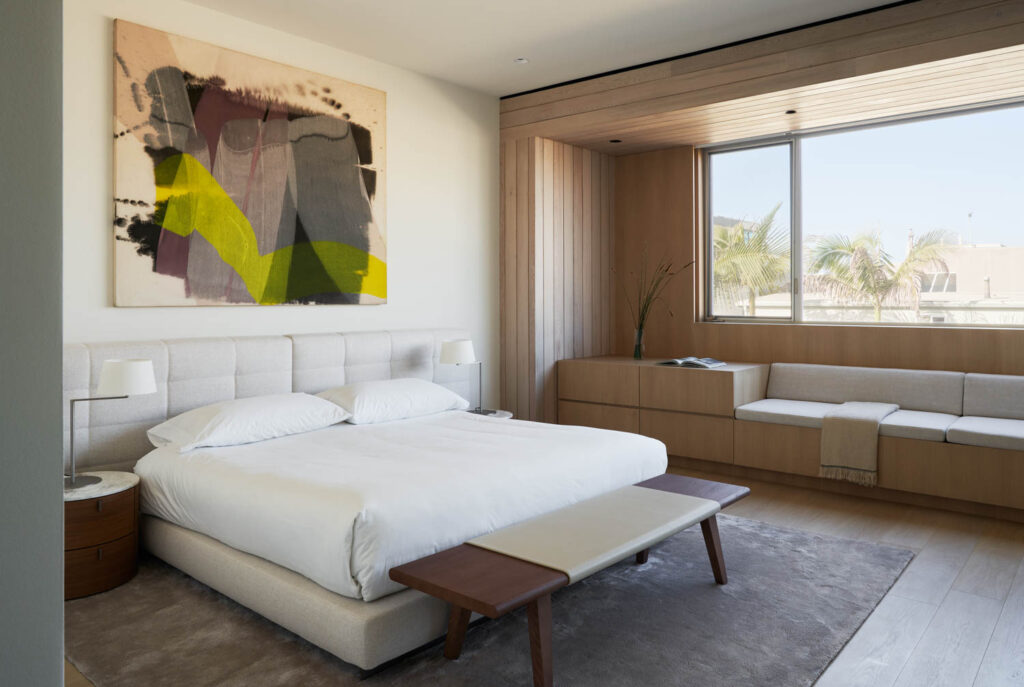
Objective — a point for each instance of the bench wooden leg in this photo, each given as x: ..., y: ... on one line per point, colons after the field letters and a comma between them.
x: 458, y: 621
x: 710, y: 529
x: 641, y: 556
x: 539, y: 614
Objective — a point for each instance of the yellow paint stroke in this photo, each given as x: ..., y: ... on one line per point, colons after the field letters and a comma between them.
x: 196, y: 202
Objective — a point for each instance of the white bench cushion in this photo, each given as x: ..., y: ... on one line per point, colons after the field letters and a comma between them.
x: 590, y: 535
x: 928, y: 390
x: 992, y: 432
x: 917, y: 424
x: 994, y: 396
x: 782, y: 412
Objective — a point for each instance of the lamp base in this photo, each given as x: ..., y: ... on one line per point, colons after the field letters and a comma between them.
x: 482, y: 411
x: 81, y: 481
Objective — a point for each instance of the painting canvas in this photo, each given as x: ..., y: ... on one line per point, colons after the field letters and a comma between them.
x: 243, y: 181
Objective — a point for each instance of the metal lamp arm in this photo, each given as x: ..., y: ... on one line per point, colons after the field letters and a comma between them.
x: 72, y: 438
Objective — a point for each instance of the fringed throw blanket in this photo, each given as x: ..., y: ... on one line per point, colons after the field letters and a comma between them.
x: 849, y: 441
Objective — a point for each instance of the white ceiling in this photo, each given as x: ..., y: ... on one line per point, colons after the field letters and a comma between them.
x: 474, y: 42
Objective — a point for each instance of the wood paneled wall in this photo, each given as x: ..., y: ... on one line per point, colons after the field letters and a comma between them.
x: 654, y: 213
x: 556, y: 267
x: 654, y: 203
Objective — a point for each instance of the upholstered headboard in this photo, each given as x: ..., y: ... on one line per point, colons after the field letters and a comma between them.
x: 195, y: 372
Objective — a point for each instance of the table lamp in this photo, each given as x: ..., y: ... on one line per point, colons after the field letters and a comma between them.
x: 119, y: 378
x: 460, y: 352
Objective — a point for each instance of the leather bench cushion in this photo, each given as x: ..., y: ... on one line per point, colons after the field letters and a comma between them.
x: 1000, y: 396
x: 927, y: 390
x: 917, y: 424
x: 991, y: 432
x: 784, y: 412
x: 590, y: 535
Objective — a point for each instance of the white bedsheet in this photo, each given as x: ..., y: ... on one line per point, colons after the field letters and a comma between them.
x: 345, y: 504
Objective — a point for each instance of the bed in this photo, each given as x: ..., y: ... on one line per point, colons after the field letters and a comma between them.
x: 303, y: 529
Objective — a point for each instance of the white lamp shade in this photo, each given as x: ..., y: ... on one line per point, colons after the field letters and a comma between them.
x: 127, y: 377
x: 457, y: 352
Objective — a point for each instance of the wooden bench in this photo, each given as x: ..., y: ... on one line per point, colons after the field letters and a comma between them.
x: 475, y: 579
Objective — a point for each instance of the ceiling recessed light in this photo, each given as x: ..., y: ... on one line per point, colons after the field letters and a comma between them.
x: 790, y: 111
x: 615, y: 140
x: 521, y: 60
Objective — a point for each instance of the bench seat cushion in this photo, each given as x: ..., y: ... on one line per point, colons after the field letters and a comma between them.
x: 590, y: 535
x: 917, y: 424
x: 929, y: 390
x: 784, y: 412
x: 992, y: 432
x: 994, y: 396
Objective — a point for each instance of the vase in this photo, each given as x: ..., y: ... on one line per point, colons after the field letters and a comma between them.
x: 638, y: 344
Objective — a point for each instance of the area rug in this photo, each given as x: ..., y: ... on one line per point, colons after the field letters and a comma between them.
x: 793, y: 600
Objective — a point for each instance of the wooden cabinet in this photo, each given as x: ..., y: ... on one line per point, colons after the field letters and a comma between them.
x: 708, y: 392
x: 690, y: 410
x: 612, y: 381
x: 693, y: 436
x: 101, y: 534
x: 599, y: 415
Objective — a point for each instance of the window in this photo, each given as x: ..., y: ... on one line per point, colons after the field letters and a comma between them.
x: 751, y: 241
x: 913, y: 222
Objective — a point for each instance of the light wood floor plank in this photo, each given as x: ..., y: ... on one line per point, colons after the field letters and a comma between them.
x: 877, y: 653
x: 73, y: 678
x: 1003, y: 664
x: 954, y: 644
x: 931, y: 574
x: 993, y: 565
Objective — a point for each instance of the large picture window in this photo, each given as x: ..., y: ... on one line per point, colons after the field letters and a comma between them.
x: 916, y: 222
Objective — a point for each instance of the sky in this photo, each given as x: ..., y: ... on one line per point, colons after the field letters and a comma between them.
x: 923, y: 175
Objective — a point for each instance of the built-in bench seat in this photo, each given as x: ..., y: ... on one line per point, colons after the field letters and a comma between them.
x: 956, y: 435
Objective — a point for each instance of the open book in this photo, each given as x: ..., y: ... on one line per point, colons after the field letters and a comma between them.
x: 693, y: 361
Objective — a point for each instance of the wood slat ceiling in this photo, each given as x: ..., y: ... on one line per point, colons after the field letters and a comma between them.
x: 949, y: 55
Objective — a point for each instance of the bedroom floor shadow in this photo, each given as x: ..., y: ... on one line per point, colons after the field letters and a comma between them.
x: 793, y: 600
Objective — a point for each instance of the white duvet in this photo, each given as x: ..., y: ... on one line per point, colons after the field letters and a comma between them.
x: 343, y: 505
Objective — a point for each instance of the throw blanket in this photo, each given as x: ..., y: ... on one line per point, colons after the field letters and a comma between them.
x: 849, y: 441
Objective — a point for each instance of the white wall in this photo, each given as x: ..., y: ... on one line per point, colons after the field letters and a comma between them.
x: 442, y: 191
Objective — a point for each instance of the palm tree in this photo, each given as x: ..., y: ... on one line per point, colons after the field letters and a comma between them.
x: 860, y: 269
x: 750, y: 260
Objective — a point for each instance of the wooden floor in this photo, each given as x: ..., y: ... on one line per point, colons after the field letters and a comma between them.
x: 956, y: 616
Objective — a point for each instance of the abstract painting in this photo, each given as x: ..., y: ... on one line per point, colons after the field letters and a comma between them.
x: 243, y: 181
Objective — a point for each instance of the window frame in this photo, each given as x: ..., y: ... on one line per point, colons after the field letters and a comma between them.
x: 793, y: 143
x: 795, y: 138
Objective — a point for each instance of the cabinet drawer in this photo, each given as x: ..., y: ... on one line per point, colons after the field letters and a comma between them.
x: 690, y: 436
x: 710, y: 392
x: 598, y: 415
x: 599, y: 381
x: 94, y: 521
x: 98, y: 568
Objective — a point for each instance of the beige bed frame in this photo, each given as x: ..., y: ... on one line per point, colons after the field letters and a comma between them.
x: 194, y: 372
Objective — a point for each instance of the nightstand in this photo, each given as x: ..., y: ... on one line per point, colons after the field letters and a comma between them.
x: 101, y: 534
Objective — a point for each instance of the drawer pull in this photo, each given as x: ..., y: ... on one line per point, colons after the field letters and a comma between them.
x: 99, y: 505
x: 99, y: 554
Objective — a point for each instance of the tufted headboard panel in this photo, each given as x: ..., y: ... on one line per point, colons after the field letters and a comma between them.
x: 196, y: 372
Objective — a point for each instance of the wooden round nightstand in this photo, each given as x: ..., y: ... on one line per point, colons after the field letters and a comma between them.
x: 101, y: 534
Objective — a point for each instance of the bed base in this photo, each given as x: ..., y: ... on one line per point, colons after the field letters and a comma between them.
x: 365, y: 634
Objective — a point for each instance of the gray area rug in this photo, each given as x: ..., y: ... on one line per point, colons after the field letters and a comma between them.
x: 793, y: 600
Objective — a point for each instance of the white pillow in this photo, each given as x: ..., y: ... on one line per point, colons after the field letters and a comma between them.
x: 393, y: 399
x: 245, y: 420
